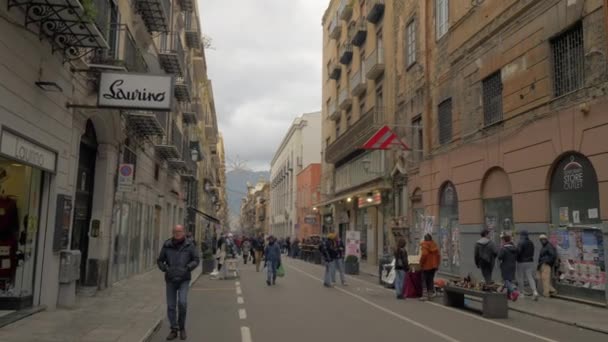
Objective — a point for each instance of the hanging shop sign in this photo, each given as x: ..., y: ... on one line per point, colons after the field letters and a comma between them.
x: 125, y: 177
x: 310, y: 219
x: 135, y: 91
x: 27, y: 151
x: 368, y: 201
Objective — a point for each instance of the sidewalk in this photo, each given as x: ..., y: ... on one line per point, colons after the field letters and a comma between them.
x: 129, y: 311
x: 562, y: 311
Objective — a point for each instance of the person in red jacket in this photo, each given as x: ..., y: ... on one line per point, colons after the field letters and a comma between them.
x: 429, y: 263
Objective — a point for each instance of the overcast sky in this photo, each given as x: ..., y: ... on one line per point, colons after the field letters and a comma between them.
x: 265, y: 64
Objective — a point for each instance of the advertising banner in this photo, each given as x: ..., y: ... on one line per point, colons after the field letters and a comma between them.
x: 353, y: 243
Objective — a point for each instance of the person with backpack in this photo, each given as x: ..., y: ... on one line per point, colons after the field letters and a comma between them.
x: 272, y: 260
x: 340, y: 267
x: 546, y: 261
x: 329, y: 252
x: 402, y: 266
x: 429, y: 263
x: 485, y: 256
x: 525, y: 263
x: 508, y: 263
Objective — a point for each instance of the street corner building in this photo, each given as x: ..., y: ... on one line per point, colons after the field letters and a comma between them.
x: 499, y: 108
x: 108, y: 138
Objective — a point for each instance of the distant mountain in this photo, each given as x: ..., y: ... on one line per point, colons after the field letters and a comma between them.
x: 236, y: 183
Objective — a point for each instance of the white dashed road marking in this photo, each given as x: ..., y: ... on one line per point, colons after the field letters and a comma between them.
x: 242, y: 314
x: 240, y: 300
x: 245, y: 334
x: 238, y: 291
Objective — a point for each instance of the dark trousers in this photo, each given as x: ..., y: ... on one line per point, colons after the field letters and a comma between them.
x: 428, y: 280
x: 486, y: 271
x: 177, y: 298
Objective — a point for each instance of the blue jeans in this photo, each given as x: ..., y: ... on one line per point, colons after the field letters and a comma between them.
x: 399, y: 282
x: 271, y: 270
x: 339, y: 266
x: 330, y: 272
x: 177, y: 297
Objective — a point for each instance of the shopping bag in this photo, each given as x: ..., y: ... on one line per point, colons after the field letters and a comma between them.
x: 281, y: 271
x: 413, y: 285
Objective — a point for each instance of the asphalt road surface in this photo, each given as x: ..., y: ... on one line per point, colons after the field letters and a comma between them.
x: 300, y: 309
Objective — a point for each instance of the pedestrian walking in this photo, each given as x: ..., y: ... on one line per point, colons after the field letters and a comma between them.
x: 258, y: 248
x: 546, y: 261
x: 220, y: 255
x: 329, y: 252
x: 429, y: 263
x: 272, y: 260
x: 402, y: 266
x: 246, y: 246
x: 178, y: 257
x: 288, y: 246
x: 525, y: 263
x: 508, y: 264
x: 485, y: 256
x: 340, y: 267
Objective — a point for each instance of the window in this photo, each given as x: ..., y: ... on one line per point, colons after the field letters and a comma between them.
x: 417, y: 140
x: 156, y: 172
x: 337, y: 128
x: 348, y: 118
x: 361, y: 107
x: 492, y: 98
x: 568, y: 60
x: 411, y: 43
x: 445, y: 121
x: 442, y: 8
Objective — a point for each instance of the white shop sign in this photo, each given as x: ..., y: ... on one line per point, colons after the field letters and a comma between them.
x: 27, y: 151
x: 135, y: 91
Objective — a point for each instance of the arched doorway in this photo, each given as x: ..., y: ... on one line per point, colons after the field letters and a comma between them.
x: 84, y: 197
x: 576, y: 232
x: 497, y: 203
x: 449, y: 234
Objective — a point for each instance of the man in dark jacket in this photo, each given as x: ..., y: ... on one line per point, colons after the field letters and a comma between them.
x: 178, y: 257
x: 485, y: 256
x: 329, y: 251
x: 258, y: 250
x: 525, y: 263
x: 508, y: 263
x: 546, y: 262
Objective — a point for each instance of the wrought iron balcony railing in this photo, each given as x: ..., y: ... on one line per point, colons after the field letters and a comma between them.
x: 193, y: 35
x: 171, y: 54
x: 170, y: 145
x: 335, y: 70
x: 359, y: 32
x: 360, y: 170
x: 355, y: 136
x: 155, y: 13
x: 345, y: 11
x: 375, y: 10
x: 147, y: 124
x: 346, y: 53
x: 186, y: 5
x: 189, y: 115
x: 65, y: 24
x: 123, y: 50
x: 358, y: 83
x: 183, y: 86
x: 374, y: 63
x: 344, y: 99
x: 335, y: 27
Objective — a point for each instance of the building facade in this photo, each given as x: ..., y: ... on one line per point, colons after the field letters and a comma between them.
x: 300, y: 147
x: 59, y: 164
x: 501, y: 103
x: 255, y: 209
x: 308, y: 183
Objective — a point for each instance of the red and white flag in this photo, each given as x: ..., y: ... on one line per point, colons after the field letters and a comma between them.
x: 383, y: 140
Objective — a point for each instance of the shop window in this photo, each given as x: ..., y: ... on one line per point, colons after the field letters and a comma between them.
x: 20, y: 197
x: 492, y: 99
x: 445, y: 121
x: 568, y: 60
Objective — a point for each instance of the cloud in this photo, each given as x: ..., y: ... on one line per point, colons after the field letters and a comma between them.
x: 265, y: 68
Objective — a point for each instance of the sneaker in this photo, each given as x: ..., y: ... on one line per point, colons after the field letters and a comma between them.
x: 328, y: 285
x: 182, y: 334
x: 172, y: 335
x: 514, y: 296
x: 268, y: 282
x: 535, y: 297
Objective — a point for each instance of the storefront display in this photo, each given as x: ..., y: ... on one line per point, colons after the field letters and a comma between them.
x: 448, y: 224
x: 20, y: 194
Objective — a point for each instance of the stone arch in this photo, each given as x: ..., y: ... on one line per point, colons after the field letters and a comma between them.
x: 497, y: 202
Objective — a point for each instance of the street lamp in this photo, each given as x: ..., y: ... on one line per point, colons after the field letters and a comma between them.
x: 194, y: 154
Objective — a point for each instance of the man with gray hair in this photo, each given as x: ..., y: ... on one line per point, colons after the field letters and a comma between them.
x: 178, y: 257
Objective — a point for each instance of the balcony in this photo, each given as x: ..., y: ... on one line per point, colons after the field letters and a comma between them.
x: 345, y: 11
x: 189, y: 115
x: 178, y: 164
x: 346, y: 53
x: 358, y: 84
x: 171, y: 53
x: 211, y: 134
x: 375, y: 10
x: 374, y: 64
x: 344, y: 99
x: 355, y: 136
x: 187, y: 5
x: 123, y: 52
x: 63, y: 23
x: 333, y: 111
x: 359, y: 32
x: 193, y: 35
x: 356, y: 172
x: 147, y: 124
x: 335, y: 70
x: 155, y: 14
x: 183, y: 87
x: 335, y: 28
x: 167, y: 146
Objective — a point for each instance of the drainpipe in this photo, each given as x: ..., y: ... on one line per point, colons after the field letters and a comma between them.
x: 427, y: 76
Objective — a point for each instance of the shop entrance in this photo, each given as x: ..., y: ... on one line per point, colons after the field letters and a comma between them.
x: 449, y: 233
x: 84, y: 198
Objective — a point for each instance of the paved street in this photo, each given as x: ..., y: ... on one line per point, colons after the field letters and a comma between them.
x: 300, y: 309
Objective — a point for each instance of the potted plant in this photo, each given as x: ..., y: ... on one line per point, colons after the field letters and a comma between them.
x: 351, y: 265
x: 208, y: 261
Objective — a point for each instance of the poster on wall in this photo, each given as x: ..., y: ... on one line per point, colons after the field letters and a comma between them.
x: 353, y: 243
x: 443, y: 238
x: 456, y: 247
x: 427, y: 226
x: 564, y: 219
x: 576, y: 216
x: 491, y: 226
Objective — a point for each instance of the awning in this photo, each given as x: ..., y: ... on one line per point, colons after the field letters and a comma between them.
x: 207, y: 216
x: 354, y: 193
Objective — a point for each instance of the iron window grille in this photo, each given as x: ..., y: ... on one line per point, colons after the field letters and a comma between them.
x: 411, y: 43
x: 568, y: 60
x: 492, y: 99
x: 445, y: 121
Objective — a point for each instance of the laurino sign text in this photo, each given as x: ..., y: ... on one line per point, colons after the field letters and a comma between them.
x: 134, y: 91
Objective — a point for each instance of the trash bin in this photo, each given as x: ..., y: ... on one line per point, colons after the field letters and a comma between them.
x: 386, y: 259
